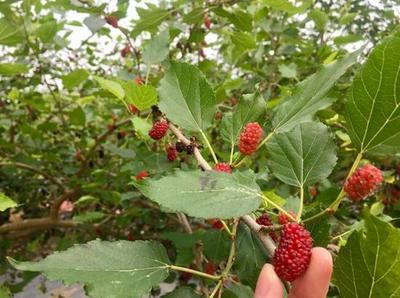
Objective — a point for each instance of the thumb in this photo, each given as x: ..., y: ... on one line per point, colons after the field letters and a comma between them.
x: 268, y: 284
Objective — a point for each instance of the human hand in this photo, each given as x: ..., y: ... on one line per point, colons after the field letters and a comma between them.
x: 314, y: 283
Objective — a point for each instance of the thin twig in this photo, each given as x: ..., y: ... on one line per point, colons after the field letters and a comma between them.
x: 36, y: 170
x: 37, y: 224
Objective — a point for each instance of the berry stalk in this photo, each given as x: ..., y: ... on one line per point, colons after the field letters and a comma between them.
x: 209, y: 146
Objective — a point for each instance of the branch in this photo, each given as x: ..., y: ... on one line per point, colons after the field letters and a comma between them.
x: 265, y: 239
x: 37, y: 224
x: 197, y: 155
x: 36, y: 170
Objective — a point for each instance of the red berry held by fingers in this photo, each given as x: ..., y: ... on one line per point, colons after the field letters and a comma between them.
x: 363, y: 182
x: 223, y: 167
x: 293, y: 254
x: 264, y: 220
x: 142, y: 175
x: 250, y: 138
x: 172, y: 153
x: 111, y: 20
x: 159, y: 130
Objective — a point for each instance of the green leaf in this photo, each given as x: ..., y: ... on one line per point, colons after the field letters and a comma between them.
x: 89, y: 216
x: 142, y: 96
x: 186, y: 97
x: 94, y: 23
x: 309, y: 96
x: 111, y: 86
x: 74, y: 78
x: 87, y: 199
x: 369, y: 264
x: 237, y: 291
x: 121, y: 152
x: 184, y: 244
x: 216, y: 245
x: 243, y: 41
x: 373, y: 109
x: 110, y: 269
x: 6, y: 202
x: 47, y: 31
x: 10, y: 34
x: 319, y: 230
x: 287, y: 6
x: 142, y: 127
x: 204, y: 194
x: 288, y: 71
x: 77, y: 117
x: 157, y: 50
x: 250, y: 256
x: 341, y: 40
x: 184, y: 292
x: 4, y: 292
x: 320, y: 18
x: 195, y: 16
x: 249, y: 109
x: 304, y: 155
x: 10, y: 69
x: 149, y: 20
x: 241, y: 20
x: 347, y: 18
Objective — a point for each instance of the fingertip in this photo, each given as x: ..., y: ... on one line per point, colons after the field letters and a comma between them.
x: 314, y: 283
x: 268, y: 284
x: 324, y: 259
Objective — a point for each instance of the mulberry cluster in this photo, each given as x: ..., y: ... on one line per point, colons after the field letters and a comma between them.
x: 172, y: 154
x: 363, y: 182
x: 159, y: 130
x: 223, y: 167
x: 250, y: 138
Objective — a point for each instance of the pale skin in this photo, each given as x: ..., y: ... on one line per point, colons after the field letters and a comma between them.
x: 314, y: 283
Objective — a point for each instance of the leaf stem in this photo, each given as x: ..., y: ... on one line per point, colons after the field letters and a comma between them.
x: 266, y: 139
x: 341, y: 235
x: 226, y: 227
x: 147, y: 74
x: 240, y: 162
x: 217, y: 287
x: 195, y: 272
x: 301, y: 203
x: 232, y: 252
x: 209, y: 146
x: 231, y: 155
